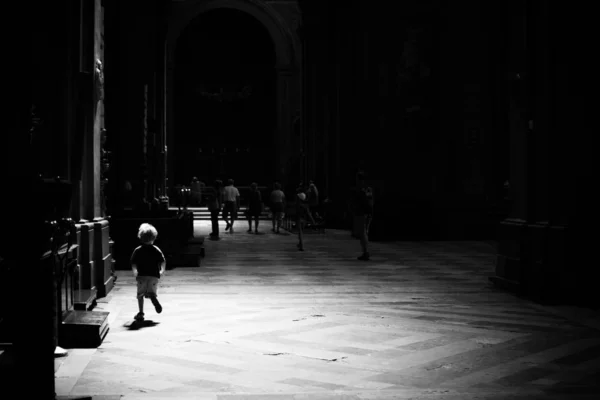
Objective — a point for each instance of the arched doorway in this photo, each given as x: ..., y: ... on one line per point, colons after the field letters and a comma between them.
x: 225, y: 99
x: 288, y: 69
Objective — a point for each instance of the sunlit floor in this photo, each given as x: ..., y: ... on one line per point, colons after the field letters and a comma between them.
x: 261, y: 320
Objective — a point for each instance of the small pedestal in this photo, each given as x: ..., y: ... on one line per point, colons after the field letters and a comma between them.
x: 83, y: 329
x: 189, y: 256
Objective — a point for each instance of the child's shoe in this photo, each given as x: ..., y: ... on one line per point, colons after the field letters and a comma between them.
x: 139, y: 316
x: 157, y: 306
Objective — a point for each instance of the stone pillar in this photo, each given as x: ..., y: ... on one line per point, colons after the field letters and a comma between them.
x: 572, y: 154
x: 532, y: 244
x: 145, y: 143
x: 337, y: 141
x: 326, y: 171
x: 91, y: 194
x: 540, y: 275
x: 287, y: 122
x: 169, y: 147
x: 161, y: 140
x: 511, y: 232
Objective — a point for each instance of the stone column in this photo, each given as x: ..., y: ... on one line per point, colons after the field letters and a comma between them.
x: 572, y: 153
x: 337, y: 134
x: 161, y: 141
x: 169, y: 147
x: 324, y: 185
x: 284, y: 142
x: 531, y: 252
x: 540, y: 276
x: 145, y: 144
x: 511, y: 232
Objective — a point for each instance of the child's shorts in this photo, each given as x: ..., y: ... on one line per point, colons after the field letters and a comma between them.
x: 147, y: 286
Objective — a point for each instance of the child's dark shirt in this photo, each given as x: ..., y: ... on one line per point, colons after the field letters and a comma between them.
x: 363, y: 202
x: 148, y: 258
x: 301, y: 208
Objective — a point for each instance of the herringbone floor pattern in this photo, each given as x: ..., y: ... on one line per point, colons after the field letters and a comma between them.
x: 261, y: 320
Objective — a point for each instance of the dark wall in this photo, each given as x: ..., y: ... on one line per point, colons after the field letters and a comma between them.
x: 230, y: 50
x: 413, y: 95
x: 134, y: 32
x: 36, y: 69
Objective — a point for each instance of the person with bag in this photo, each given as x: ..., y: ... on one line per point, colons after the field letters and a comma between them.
x: 214, y: 203
x: 255, y: 207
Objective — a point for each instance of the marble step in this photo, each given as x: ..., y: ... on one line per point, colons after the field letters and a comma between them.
x: 84, y: 299
x: 83, y: 329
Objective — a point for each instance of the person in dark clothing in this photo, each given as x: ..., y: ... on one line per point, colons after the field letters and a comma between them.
x: 231, y: 204
x: 277, y: 202
x: 148, y: 265
x: 254, y: 207
x: 301, y: 215
x: 363, y: 211
x: 313, y: 198
x: 307, y: 215
x: 214, y: 203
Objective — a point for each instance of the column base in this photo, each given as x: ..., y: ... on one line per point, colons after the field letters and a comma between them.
x: 532, y: 262
x: 506, y: 284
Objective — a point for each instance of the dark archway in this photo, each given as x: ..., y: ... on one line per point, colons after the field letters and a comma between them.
x: 225, y: 99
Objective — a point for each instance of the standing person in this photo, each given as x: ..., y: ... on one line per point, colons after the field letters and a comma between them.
x: 369, y: 216
x: 148, y: 265
x: 277, y: 204
x: 313, y: 199
x: 231, y: 204
x: 254, y: 207
x: 302, y: 188
x: 214, y: 203
x: 202, y: 190
x: 301, y: 214
x: 196, y: 191
x: 363, y: 211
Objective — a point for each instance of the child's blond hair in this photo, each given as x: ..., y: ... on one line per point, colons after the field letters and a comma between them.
x: 147, y: 233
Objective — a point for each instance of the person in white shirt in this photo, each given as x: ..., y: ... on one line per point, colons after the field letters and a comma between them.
x: 231, y: 204
x: 277, y: 206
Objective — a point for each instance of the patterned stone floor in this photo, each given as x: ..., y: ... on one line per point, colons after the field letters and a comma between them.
x: 261, y: 320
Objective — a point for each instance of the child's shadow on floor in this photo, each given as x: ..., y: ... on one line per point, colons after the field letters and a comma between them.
x: 136, y: 325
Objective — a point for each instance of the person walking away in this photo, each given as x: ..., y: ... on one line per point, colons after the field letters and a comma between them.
x: 214, y: 203
x: 363, y: 211
x: 313, y: 201
x: 148, y: 265
x: 231, y: 204
x: 302, y: 188
x: 196, y: 191
x: 202, y: 190
x: 369, y: 216
x: 254, y: 207
x: 301, y: 214
x: 277, y: 202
